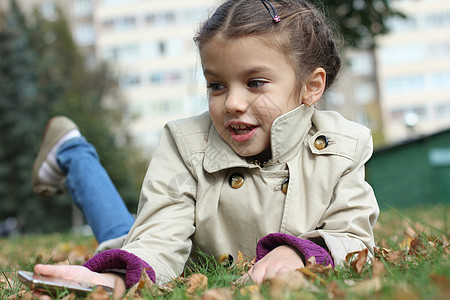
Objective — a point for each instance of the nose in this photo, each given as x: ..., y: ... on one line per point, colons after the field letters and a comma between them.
x: 236, y: 102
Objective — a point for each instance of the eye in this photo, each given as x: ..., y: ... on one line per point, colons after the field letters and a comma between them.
x: 256, y: 83
x: 215, y: 86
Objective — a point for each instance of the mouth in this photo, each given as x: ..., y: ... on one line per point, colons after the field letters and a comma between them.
x: 241, y: 129
x: 242, y: 132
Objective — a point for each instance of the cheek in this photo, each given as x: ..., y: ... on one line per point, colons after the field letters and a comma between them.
x: 215, y: 112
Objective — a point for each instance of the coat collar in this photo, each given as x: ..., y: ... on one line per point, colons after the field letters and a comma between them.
x: 287, y: 134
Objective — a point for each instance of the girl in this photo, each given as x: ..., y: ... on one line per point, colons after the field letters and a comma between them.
x: 263, y: 172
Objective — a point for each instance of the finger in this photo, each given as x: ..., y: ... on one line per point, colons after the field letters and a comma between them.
x: 258, y: 274
x: 119, y: 288
x: 47, y: 270
x: 242, y: 280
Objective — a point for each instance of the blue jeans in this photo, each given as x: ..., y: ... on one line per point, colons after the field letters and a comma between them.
x: 93, y: 191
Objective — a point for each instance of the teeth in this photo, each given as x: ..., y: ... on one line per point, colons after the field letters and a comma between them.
x: 240, y: 126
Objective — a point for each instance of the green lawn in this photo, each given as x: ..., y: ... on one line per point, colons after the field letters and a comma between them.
x: 412, y: 263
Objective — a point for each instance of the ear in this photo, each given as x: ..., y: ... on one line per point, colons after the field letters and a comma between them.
x: 314, y: 87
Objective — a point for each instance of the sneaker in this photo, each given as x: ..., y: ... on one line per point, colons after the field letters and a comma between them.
x: 47, y: 177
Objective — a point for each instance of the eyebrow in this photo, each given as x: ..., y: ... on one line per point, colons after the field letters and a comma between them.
x: 250, y: 71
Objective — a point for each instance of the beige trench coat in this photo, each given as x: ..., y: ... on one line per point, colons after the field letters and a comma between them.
x: 187, y: 202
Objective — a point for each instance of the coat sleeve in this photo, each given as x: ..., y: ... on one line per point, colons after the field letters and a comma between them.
x: 347, y: 223
x: 161, y: 235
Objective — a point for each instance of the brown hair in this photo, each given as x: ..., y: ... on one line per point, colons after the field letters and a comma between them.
x: 302, y: 34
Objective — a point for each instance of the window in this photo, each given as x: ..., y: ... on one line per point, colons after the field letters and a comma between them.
x: 120, y: 24
x: 49, y: 10
x: 406, y: 53
x: 442, y: 110
x: 364, y: 93
x: 82, y: 8
x: 361, y: 63
x: 126, y: 53
x: 130, y: 80
x: 160, y: 19
x: 84, y: 34
x: 405, y: 83
x: 165, y: 77
x: 438, y: 20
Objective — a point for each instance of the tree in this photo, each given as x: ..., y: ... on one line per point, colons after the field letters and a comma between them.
x: 42, y: 74
x: 359, y: 21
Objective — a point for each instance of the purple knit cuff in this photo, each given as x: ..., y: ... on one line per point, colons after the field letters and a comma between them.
x: 123, y: 260
x: 305, y: 247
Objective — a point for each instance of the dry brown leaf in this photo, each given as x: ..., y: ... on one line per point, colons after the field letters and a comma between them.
x: 196, y: 282
x: 173, y: 284
x: 249, y: 289
x: 310, y: 274
x: 442, y: 282
x: 71, y: 296
x: 144, y: 283
x: 253, y: 291
x: 98, y: 294
x: 360, y: 261
x: 410, y: 231
x: 367, y: 287
x: 316, y: 268
x: 217, y: 294
x: 22, y: 295
x: 244, y: 263
x: 285, y: 283
x: 416, y: 246
x: 404, y: 291
x: 334, y: 291
x: 378, y: 269
x: 240, y: 259
x: 393, y: 257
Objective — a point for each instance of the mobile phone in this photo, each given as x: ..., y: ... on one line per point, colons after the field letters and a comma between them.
x: 54, y: 284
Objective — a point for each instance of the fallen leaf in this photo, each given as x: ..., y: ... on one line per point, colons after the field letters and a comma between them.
x: 378, y: 268
x: 173, y: 284
x: 285, y: 283
x: 71, y: 296
x: 196, y: 282
x: 217, y: 294
x: 404, y: 291
x: 316, y: 268
x: 393, y: 257
x: 253, y: 291
x: 310, y: 274
x: 416, y: 247
x: 367, y: 287
x: 145, y: 283
x: 22, y: 295
x: 249, y: 289
x: 334, y: 291
x: 98, y: 294
x: 360, y: 261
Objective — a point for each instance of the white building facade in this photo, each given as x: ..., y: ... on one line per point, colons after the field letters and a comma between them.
x: 150, y: 43
x: 400, y: 91
x: 413, y: 66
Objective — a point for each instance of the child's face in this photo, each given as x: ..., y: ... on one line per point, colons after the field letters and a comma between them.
x: 250, y: 84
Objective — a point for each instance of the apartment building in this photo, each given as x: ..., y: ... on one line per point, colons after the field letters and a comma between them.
x: 413, y: 67
x: 150, y: 44
x: 400, y: 91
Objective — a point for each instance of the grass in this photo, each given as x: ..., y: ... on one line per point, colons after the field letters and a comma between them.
x: 412, y: 263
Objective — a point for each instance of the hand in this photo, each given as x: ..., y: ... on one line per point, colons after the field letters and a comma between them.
x: 82, y: 274
x: 278, y: 261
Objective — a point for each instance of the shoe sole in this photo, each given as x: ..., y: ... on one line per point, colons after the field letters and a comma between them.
x: 50, y: 137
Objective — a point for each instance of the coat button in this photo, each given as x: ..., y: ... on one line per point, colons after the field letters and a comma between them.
x: 226, y: 260
x: 321, y: 142
x: 236, y: 180
x: 284, y: 186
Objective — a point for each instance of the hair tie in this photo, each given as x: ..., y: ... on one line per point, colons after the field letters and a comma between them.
x: 276, y: 18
